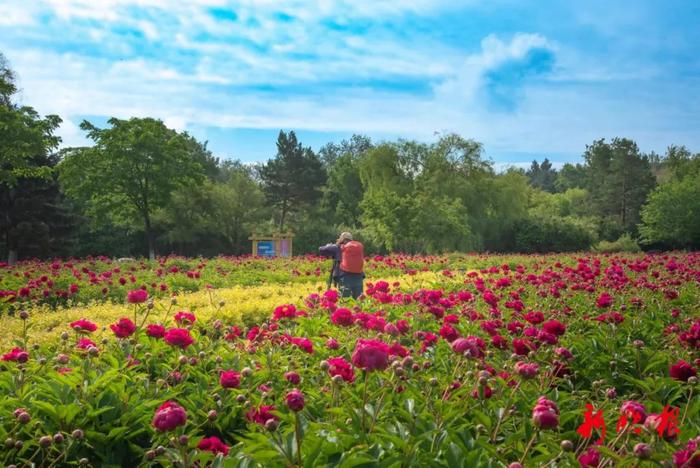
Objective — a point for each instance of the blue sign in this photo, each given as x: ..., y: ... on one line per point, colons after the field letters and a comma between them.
x: 266, y: 248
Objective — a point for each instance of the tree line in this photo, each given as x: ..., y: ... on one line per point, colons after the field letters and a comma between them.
x: 145, y: 189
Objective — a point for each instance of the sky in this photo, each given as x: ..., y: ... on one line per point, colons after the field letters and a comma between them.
x: 528, y: 79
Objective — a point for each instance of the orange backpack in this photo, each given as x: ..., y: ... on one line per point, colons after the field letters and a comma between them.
x: 353, y: 257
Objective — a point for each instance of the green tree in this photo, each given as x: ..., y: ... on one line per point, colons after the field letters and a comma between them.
x: 671, y: 216
x: 543, y: 176
x: 293, y: 179
x: 571, y: 176
x: 26, y: 141
x: 130, y: 173
x: 618, y: 179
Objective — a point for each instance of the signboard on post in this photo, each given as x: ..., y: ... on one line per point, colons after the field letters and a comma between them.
x: 278, y: 245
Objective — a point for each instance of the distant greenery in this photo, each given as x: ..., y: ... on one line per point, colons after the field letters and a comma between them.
x: 144, y: 189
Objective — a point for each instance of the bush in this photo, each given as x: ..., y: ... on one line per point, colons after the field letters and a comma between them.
x: 551, y: 235
x: 625, y: 243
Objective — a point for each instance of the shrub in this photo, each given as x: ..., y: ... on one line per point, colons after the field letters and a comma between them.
x: 625, y: 243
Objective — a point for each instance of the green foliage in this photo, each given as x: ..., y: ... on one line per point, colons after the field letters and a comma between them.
x: 130, y: 173
x: 672, y: 214
x: 543, y: 176
x: 624, y: 244
x: 551, y: 235
x: 293, y: 179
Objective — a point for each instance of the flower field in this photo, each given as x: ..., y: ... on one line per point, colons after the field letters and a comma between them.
x: 458, y: 361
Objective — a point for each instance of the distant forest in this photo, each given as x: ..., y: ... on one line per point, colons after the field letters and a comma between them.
x: 144, y: 189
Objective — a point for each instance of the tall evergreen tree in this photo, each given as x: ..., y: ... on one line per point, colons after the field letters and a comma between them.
x: 543, y: 176
x: 619, y: 178
x: 294, y: 178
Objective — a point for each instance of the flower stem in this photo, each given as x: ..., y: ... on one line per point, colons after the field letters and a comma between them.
x: 528, y: 447
x: 364, y: 403
x: 297, y: 430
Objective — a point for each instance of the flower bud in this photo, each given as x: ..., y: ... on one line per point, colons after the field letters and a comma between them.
x: 433, y: 381
x: 151, y: 455
x: 515, y: 465
x: 271, y: 424
x: 325, y: 366
x: 219, y: 359
x: 183, y: 440
x: 63, y: 358
x: 150, y: 305
x: 19, y: 444
x: 611, y: 393
x: 642, y: 451
x: 78, y: 434
x: 212, y: 415
x: 337, y: 379
x: 84, y: 462
x: 24, y: 315
x: 246, y: 372
x: 93, y: 351
x: 415, y: 367
x: 240, y: 399
x: 42, y: 361
x: 222, y: 303
x: 58, y: 438
x: 64, y: 336
x: 24, y: 418
x: 45, y: 441
x: 567, y: 446
x: 692, y: 380
x: 160, y: 450
x: 9, y: 443
x: 173, y: 301
x: 182, y: 360
x: 202, y: 355
x: 193, y: 361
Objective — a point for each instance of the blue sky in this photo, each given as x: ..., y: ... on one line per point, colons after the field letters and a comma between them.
x: 527, y: 79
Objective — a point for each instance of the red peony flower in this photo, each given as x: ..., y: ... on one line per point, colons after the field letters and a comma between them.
x: 137, y: 296
x: 590, y: 457
x: 342, y: 317
x: 471, y: 345
x: 16, y: 355
x: 179, y: 337
x: 261, y: 415
x: 214, y: 445
x: 169, y: 416
x: 604, y: 300
x: 682, y: 371
x: 85, y: 343
x: 185, y: 318
x: 555, y: 327
x: 155, y: 331
x: 370, y: 355
x: 83, y: 326
x: 124, y: 328
x: 230, y: 379
x: 522, y: 346
x: 339, y: 366
x: 295, y: 400
x: 292, y: 377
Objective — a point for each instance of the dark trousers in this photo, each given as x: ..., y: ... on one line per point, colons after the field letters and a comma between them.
x: 351, y: 284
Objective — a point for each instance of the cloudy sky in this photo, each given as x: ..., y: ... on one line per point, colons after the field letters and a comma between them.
x: 527, y: 79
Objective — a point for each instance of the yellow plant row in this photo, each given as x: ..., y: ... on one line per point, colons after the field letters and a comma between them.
x: 241, y: 304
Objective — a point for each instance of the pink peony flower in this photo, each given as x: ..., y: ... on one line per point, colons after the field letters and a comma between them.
x: 16, y: 355
x: 261, y: 415
x: 339, y: 366
x: 370, y: 355
x: 179, y: 337
x: 124, y: 328
x: 230, y: 379
x: 545, y: 414
x: 292, y: 377
x: 169, y: 416
x: 295, y: 400
x: 214, y: 445
x: 83, y: 326
x: 681, y: 371
x: 184, y: 318
x: 155, y: 331
x: 137, y: 296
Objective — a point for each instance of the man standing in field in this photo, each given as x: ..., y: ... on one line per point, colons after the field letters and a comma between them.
x: 349, y: 258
